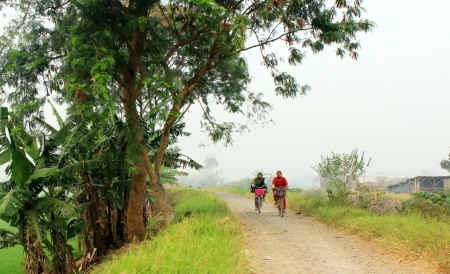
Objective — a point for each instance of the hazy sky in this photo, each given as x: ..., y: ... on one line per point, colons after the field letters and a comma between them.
x: 392, y: 103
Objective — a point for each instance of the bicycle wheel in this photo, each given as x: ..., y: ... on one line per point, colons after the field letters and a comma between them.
x: 259, y: 204
x: 279, y: 205
x: 282, y: 208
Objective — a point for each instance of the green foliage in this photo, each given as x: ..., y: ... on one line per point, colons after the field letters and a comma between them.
x: 342, y: 172
x: 206, y: 238
x: 168, y: 175
x: 429, y: 205
x: 445, y: 164
x: 145, y: 62
x: 31, y: 201
x: 11, y: 257
x: 179, y: 52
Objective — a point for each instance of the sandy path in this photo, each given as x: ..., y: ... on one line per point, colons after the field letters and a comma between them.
x: 298, y: 244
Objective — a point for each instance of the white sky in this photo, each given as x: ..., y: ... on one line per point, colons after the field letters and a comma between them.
x: 392, y: 103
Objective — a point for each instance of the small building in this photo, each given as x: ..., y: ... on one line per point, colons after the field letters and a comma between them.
x: 421, y: 183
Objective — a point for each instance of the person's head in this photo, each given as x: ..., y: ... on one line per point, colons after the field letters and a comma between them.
x: 259, y: 175
x: 279, y: 173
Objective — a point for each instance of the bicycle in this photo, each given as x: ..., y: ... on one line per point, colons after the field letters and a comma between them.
x: 280, y: 192
x: 259, y: 194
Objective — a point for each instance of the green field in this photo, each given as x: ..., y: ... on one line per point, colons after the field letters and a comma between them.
x: 11, y: 258
x: 208, y: 240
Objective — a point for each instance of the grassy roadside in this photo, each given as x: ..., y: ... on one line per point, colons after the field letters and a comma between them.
x: 413, y: 237
x: 207, y: 240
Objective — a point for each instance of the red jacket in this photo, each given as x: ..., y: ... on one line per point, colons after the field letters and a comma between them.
x: 279, y: 182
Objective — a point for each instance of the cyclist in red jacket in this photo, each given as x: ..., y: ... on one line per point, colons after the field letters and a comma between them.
x: 279, y: 181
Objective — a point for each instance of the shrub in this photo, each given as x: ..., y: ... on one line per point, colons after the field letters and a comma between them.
x: 364, y: 197
x: 435, y: 204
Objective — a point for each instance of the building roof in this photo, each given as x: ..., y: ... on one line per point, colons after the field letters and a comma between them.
x: 418, y: 177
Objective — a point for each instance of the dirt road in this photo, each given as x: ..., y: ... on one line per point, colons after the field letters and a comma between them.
x: 298, y: 244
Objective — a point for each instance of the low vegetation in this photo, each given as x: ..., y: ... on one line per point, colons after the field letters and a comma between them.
x: 429, y: 205
x: 205, y: 238
x: 408, y: 234
x: 11, y: 258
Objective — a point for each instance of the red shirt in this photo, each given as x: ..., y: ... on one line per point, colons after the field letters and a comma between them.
x: 279, y: 182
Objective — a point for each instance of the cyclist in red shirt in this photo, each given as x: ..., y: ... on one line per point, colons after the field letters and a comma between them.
x: 279, y: 181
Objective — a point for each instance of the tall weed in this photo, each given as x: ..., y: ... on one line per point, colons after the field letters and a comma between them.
x: 206, y: 240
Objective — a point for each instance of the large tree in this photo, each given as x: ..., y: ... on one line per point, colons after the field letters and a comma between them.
x: 155, y: 59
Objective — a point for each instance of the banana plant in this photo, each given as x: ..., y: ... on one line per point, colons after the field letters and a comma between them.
x: 30, y: 200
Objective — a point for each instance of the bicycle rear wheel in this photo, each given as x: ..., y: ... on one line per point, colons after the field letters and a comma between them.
x: 279, y: 205
x: 259, y: 204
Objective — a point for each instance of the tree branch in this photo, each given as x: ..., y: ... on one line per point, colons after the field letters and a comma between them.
x: 55, y: 8
x: 273, y: 40
x: 251, y: 8
x: 183, y: 43
x: 177, y: 34
x: 237, y: 4
x: 169, y: 78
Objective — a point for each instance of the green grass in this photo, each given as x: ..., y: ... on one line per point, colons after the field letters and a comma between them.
x: 209, y: 240
x: 11, y: 258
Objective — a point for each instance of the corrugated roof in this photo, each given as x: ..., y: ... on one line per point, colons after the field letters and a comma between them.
x: 418, y: 177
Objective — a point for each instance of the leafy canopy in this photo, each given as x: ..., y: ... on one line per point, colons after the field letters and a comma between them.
x: 166, y: 55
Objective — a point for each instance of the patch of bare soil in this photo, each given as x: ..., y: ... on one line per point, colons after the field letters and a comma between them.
x: 298, y: 244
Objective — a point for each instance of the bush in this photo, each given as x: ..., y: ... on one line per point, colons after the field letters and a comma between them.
x: 434, y: 205
x: 364, y: 197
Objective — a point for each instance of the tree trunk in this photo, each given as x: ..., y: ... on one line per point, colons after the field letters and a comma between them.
x: 136, y: 226
x: 162, y: 199
x: 63, y: 260
x: 135, y: 219
x: 36, y: 261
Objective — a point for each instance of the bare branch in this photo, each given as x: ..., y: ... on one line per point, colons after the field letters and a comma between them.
x: 273, y: 40
x: 261, y: 48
